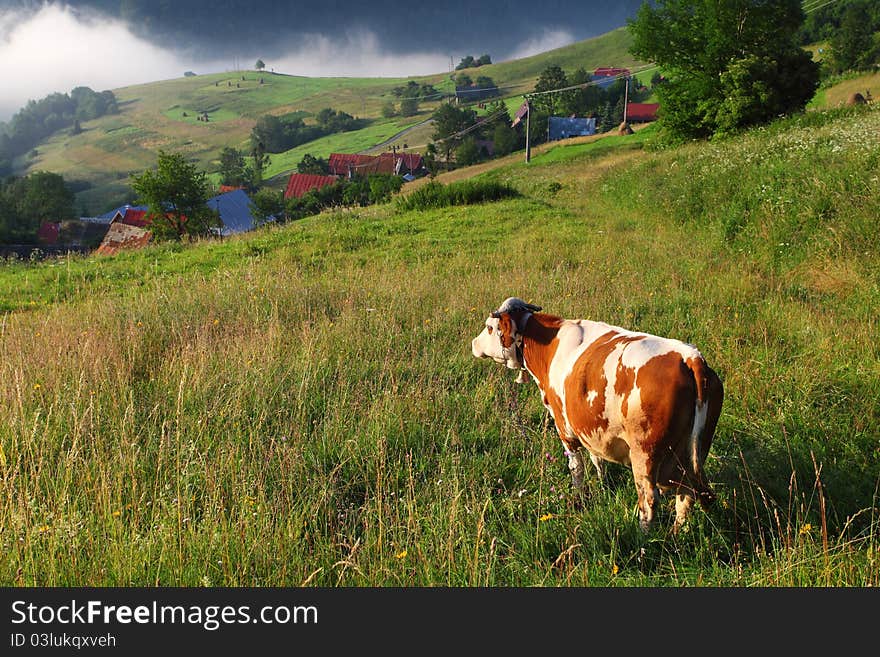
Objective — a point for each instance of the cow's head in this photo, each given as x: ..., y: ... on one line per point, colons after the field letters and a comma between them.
x: 501, y: 338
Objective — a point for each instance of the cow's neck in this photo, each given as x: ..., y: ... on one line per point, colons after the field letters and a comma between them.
x: 539, y: 344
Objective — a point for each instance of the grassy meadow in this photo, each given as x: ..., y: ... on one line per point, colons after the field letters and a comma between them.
x: 299, y: 406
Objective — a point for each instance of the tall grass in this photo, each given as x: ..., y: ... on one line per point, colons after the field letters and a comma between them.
x: 300, y: 406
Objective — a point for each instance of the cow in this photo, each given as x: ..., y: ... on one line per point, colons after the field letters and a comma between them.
x: 644, y: 401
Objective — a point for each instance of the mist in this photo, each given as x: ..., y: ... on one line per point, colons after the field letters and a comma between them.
x: 57, y: 48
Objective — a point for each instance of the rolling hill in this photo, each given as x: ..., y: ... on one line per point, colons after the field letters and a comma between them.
x: 98, y: 161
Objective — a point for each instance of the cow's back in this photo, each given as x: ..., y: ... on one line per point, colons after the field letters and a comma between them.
x: 628, y: 390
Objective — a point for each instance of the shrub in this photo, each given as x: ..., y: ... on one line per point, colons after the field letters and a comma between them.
x: 438, y: 195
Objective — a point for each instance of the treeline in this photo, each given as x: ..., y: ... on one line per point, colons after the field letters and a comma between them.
x: 41, y: 118
x: 276, y: 134
x: 470, y: 62
x: 470, y: 90
x: 25, y: 203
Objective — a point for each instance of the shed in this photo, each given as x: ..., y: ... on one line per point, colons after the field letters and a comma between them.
x: 561, y: 127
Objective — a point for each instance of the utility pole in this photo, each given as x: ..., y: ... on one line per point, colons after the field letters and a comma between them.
x: 625, y: 99
x: 528, y: 130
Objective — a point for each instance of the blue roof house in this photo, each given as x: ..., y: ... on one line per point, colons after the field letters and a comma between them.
x: 235, y: 212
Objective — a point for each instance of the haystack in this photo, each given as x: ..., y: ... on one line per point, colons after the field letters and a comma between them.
x: 855, y: 99
x: 624, y: 129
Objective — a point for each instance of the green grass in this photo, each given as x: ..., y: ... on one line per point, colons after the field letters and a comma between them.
x: 300, y: 405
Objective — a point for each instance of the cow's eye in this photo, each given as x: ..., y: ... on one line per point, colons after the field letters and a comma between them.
x: 489, y: 330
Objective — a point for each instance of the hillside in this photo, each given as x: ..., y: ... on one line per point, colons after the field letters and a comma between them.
x: 99, y: 160
x: 300, y: 406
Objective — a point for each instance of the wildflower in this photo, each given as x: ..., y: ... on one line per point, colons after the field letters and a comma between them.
x: 427, y: 321
x: 614, y: 569
x: 116, y: 514
x: 216, y: 321
x: 43, y: 529
x: 140, y: 324
x: 806, y: 529
x: 400, y: 555
x: 37, y: 386
x: 546, y: 517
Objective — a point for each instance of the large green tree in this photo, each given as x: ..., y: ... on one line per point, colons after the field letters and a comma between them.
x: 176, y: 193
x: 729, y: 63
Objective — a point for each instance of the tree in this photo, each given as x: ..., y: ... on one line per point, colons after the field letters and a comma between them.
x: 505, y: 139
x: 234, y: 169
x: 260, y: 160
x: 313, y: 165
x: 468, y: 152
x: 448, y: 121
x: 259, y: 65
x: 483, y: 60
x: 552, y: 77
x: 388, y: 110
x: 466, y: 62
x: 852, y: 44
x: 267, y: 204
x: 409, y: 106
x: 712, y: 50
x: 176, y: 194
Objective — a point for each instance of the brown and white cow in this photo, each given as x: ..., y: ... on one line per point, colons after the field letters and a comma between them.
x: 648, y: 402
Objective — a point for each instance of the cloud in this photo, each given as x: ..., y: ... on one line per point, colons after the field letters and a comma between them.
x: 58, y: 48
x: 548, y: 39
x: 356, y: 53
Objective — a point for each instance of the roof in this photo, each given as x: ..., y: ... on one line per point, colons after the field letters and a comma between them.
x: 123, y: 236
x: 561, y: 127
x: 300, y: 183
x: 389, y: 163
x: 609, y: 71
x: 134, y: 217
x: 235, y: 211
x: 121, y: 210
x: 642, y: 111
x: 229, y: 188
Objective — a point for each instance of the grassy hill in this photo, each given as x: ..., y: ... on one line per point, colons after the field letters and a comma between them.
x: 99, y: 160
x: 300, y: 405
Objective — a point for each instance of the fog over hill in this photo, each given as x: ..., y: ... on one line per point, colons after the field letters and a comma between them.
x: 104, y: 44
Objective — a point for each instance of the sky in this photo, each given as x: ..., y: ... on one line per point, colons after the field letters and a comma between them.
x: 54, y: 47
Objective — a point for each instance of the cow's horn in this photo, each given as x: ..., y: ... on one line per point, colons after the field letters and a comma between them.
x: 513, y: 304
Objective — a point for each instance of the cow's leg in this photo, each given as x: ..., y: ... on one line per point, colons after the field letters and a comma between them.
x: 575, y: 466
x: 646, y: 486
x: 599, y: 464
x: 683, y: 503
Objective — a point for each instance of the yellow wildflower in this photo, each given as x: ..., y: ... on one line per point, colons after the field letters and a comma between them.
x: 400, y: 555
x: 43, y: 529
x: 116, y: 514
x: 37, y: 386
x: 806, y: 529
x: 546, y: 517
x: 615, y: 569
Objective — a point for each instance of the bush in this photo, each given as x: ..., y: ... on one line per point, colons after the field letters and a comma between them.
x: 471, y: 192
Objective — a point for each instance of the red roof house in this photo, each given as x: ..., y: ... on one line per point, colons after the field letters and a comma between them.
x: 609, y: 72
x: 641, y: 112
x: 300, y: 183
x: 346, y: 164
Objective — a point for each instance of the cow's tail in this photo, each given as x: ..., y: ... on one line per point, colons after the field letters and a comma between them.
x: 705, y: 417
